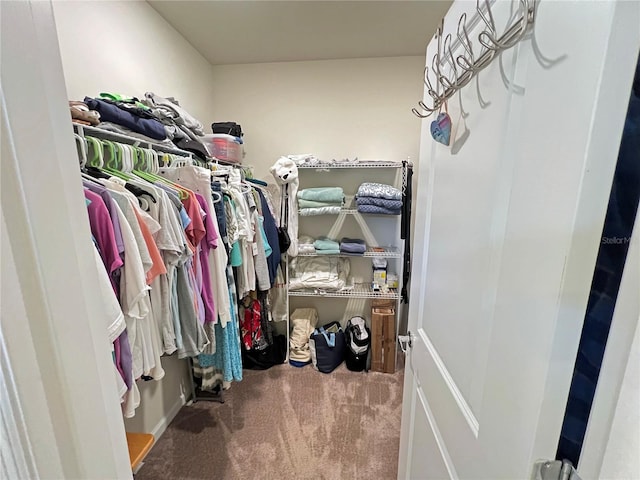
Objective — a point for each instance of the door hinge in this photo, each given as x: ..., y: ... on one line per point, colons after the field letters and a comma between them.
x: 554, y: 470
x: 406, y: 342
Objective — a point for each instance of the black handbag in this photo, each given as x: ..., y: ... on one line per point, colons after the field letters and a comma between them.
x: 358, y: 339
x: 284, y: 241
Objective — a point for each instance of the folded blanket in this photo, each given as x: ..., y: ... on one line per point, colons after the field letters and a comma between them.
x: 112, y: 113
x: 302, y: 203
x: 306, y: 248
x: 324, y: 243
x: 170, y: 108
x: 307, y: 212
x: 378, y: 210
x: 352, y: 245
x: 326, y: 273
x: 322, y: 194
x: 379, y: 190
x: 380, y: 202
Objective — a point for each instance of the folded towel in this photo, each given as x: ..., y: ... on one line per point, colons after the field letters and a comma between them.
x: 302, y: 203
x: 379, y: 190
x: 324, y: 243
x: 352, y: 245
x: 307, y: 212
x: 322, y: 194
x: 380, y: 202
x: 378, y: 210
x: 332, y: 251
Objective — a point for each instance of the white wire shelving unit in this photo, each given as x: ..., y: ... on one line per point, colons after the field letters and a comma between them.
x: 361, y: 290
x: 351, y: 164
x: 379, y: 252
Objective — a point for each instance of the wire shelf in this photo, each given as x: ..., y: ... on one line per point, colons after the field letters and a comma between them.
x: 361, y: 290
x: 362, y: 164
x: 387, y: 252
x: 351, y: 211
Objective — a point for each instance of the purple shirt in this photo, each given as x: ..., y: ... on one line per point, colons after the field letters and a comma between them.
x: 209, y: 241
x: 102, y: 231
x: 109, y: 202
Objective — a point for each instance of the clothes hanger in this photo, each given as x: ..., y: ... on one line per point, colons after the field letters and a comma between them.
x: 217, y: 197
x: 97, y: 159
x: 114, y: 162
x: 154, y: 177
x: 83, y: 150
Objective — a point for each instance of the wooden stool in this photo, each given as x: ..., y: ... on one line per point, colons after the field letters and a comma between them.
x: 139, y: 445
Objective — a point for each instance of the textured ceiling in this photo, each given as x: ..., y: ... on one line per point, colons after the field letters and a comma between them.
x: 232, y: 32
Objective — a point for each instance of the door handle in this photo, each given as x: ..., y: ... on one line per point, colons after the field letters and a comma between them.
x: 406, y: 342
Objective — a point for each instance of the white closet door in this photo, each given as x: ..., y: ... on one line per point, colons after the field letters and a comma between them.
x: 504, y: 256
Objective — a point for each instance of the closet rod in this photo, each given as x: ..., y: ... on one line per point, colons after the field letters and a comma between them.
x: 86, y: 130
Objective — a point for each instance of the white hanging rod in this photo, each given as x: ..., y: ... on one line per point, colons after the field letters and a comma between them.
x: 466, y: 62
x: 85, y: 130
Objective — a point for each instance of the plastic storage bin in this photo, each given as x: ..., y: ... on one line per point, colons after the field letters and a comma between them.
x: 223, y: 147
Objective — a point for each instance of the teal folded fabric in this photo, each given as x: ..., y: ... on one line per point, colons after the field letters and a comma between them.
x: 328, y: 252
x: 326, y: 244
x: 302, y: 203
x: 322, y: 194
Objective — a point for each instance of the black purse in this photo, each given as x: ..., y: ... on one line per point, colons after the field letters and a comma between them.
x: 284, y: 241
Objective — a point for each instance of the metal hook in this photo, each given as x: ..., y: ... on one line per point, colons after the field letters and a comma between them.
x: 489, y: 41
x: 466, y: 64
x: 489, y: 22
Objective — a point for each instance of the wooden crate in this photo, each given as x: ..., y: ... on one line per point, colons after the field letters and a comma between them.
x: 383, y: 336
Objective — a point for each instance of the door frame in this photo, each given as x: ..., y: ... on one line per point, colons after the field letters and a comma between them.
x: 67, y: 417
x: 609, y: 112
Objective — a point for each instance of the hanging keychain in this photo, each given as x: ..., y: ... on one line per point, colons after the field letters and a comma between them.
x: 441, y: 127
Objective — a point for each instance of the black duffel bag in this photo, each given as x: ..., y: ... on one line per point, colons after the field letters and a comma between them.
x: 228, y: 128
x: 274, y: 354
x: 327, y: 347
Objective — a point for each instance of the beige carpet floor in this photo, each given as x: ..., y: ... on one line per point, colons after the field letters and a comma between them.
x: 287, y: 423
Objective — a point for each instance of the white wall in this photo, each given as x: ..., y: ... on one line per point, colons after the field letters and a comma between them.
x: 331, y: 108
x: 127, y: 47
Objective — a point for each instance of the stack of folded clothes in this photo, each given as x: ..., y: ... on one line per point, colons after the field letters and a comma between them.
x: 326, y: 246
x: 352, y: 246
x: 379, y: 198
x: 305, y: 245
x: 81, y: 114
x: 320, y: 201
x: 154, y: 119
x: 131, y: 115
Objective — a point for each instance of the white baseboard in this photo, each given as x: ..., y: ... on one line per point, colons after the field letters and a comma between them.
x: 162, y: 425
